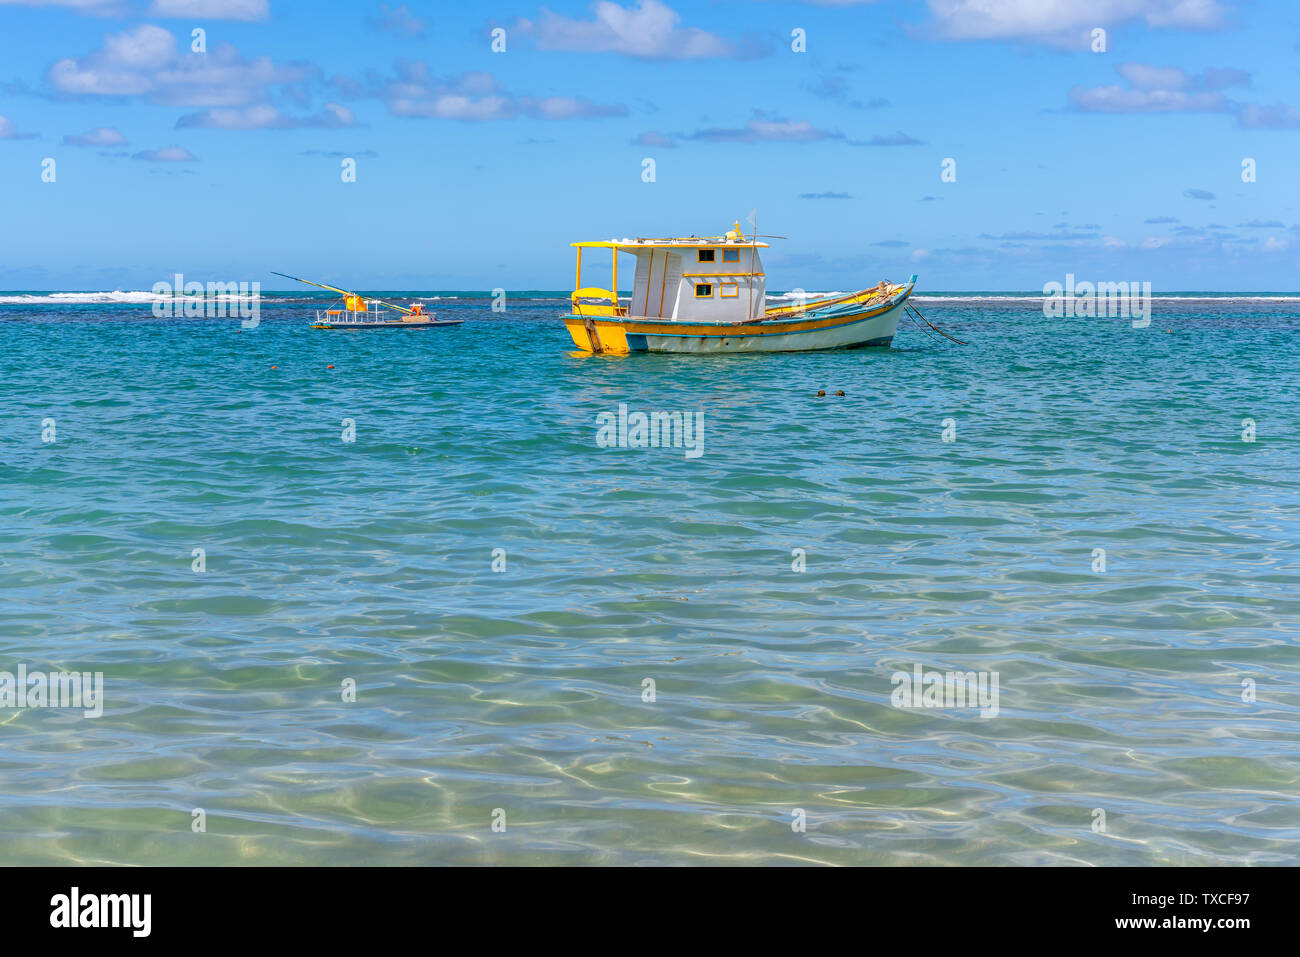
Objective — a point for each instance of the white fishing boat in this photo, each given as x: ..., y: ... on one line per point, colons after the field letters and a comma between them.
x: 708, y: 294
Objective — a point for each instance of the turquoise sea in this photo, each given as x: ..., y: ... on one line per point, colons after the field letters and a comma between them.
x: 1148, y: 713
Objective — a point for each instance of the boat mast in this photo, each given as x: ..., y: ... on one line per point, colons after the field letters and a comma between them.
x: 753, y: 251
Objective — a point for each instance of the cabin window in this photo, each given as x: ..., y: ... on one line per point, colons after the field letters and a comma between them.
x: 704, y: 290
x: 731, y: 255
x: 706, y: 255
x: 729, y: 290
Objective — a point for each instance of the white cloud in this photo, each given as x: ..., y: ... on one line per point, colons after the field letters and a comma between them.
x: 1184, y: 14
x: 166, y: 154
x: 1023, y: 236
x: 100, y: 136
x: 650, y: 30
x: 398, y: 20
x: 655, y: 140
x: 145, y: 62
x: 264, y: 117
x: 1117, y: 99
x: 1157, y: 89
x: 10, y: 132
x: 99, y: 8
x: 1142, y: 76
x: 144, y: 47
x: 211, y: 9
x: 1279, y: 116
x: 565, y: 108
x: 1058, y: 19
x: 892, y: 139
x: 472, y: 97
x: 180, y: 9
x: 767, y: 129
x: 1161, y: 89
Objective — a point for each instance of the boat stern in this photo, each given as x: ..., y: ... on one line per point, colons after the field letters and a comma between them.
x: 602, y: 337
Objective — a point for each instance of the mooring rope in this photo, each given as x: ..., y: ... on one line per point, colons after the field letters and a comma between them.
x: 912, y: 319
x: 916, y: 312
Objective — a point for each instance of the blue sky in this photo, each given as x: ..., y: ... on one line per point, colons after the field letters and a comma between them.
x: 475, y: 169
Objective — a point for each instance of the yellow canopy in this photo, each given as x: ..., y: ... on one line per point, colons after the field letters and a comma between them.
x: 691, y: 241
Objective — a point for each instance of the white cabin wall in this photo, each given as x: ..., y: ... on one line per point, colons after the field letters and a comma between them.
x: 669, y: 280
x: 640, y: 286
x: 759, y: 283
x: 658, y: 275
x: 664, y: 284
x: 750, y: 300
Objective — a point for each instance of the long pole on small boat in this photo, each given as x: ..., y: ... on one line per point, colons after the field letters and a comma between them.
x: 343, y: 292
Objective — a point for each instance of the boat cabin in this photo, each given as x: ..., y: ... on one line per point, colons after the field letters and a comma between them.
x: 691, y: 279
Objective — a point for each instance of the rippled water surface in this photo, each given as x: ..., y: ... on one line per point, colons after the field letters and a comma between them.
x: 522, y: 689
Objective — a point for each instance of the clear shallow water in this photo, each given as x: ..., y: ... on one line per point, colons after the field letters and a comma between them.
x: 522, y: 690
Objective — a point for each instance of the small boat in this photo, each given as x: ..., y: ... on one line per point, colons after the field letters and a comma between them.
x: 708, y: 294
x: 373, y: 319
x: 361, y: 312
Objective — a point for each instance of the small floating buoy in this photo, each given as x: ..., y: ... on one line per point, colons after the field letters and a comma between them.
x: 820, y: 393
x: 839, y: 391
x: 329, y: 367
x: 275, y: 367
